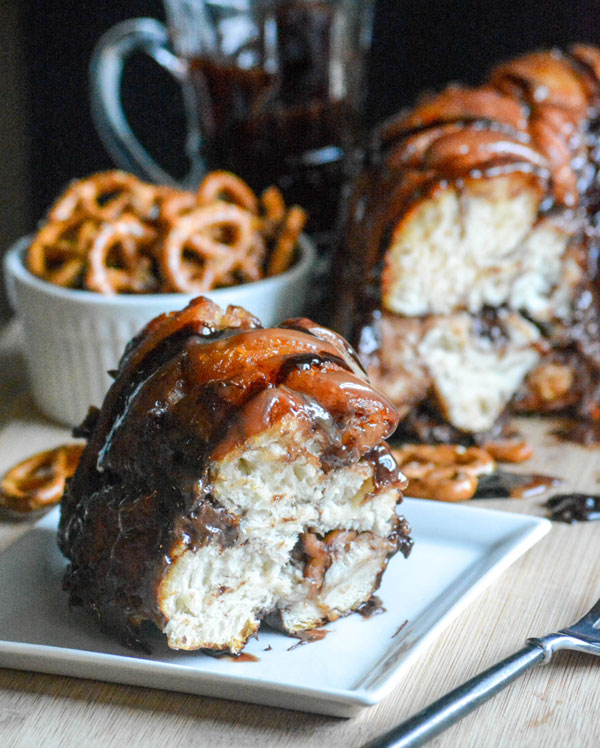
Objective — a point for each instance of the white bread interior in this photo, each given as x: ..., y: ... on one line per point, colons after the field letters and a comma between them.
x: 214, y: 597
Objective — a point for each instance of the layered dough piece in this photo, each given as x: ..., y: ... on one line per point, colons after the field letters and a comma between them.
x: 477, y: 214
x: 233, y: 474
x: 471, y: 368
x: 309, y: 547
x: 479, y: 245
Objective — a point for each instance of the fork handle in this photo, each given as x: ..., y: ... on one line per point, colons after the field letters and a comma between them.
x: 462, y: 700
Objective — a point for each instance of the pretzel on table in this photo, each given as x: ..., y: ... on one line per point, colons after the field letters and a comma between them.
x: 39, y: 481
x: 446, y: 472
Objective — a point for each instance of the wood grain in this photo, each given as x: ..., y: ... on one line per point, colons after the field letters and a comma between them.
x: 555, y: 582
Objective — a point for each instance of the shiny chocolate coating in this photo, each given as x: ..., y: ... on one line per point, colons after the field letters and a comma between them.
x: 193, y: 387
x: 573, y: 507
x: 539, y: 116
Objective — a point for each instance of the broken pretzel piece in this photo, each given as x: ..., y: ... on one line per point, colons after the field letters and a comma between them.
x: 39, y: 481
x: 446, y: 472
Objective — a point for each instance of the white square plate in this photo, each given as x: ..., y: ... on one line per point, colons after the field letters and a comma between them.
x: 458, y: 551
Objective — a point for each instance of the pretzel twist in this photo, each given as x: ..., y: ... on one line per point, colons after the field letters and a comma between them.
x: 117, y: 258
x: 515, y: 450
x: 58, y: 252
x: 283, y: 253
x: 273, y: 210
x: 112, y: 233
x: 39, y: 481
x: 105, y: 196
x: 176, y: 205
x: 223, y: 185
x: 207, y: 246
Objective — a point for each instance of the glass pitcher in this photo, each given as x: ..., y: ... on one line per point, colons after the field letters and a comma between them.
x: 273, y: 90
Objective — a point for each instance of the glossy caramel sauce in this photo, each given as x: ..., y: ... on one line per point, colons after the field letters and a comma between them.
x: 190, y: 389
x: 537, y: 116
x: 245, y: 657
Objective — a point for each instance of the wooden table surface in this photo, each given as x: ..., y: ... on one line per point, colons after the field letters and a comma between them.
x: 548, y: 588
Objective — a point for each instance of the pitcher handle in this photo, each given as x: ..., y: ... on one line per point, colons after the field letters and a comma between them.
x: 106, y: 69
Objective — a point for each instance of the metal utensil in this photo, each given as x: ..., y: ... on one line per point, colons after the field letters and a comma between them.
x: 583, y: 636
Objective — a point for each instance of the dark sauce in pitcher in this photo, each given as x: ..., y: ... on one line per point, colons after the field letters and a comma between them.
x: 289, y: 127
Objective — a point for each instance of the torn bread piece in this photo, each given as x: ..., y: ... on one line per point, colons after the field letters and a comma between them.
x: 234, y: 474
x: 481, y: 203
x: 468, y: 366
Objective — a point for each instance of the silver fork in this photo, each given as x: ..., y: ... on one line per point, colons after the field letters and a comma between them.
x: 583, y: 636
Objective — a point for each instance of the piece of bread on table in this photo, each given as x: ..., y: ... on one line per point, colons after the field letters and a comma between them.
x: 469, y: 273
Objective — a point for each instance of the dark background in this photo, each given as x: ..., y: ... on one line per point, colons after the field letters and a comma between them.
x: 417, y: 44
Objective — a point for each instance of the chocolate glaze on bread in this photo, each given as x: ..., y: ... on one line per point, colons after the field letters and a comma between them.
x: 470, y: 267
x: 233, y: 473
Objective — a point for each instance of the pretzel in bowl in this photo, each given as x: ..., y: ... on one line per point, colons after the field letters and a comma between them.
x: 106, y: 196
x: 223, y: 185
x: 207, y: 246
x: 118, y: 259
x: 272, y: 207
x: 39, y: 481
x: 58, y: 252
x: 446, y: 472
x: 113, y: 233
x: 175, y: 205
x: 283, y: 253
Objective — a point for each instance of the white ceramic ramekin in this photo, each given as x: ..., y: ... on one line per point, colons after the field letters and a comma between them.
x: 73, y: 338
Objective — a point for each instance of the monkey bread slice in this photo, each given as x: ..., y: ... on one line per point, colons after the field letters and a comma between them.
x: 233, y: 474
